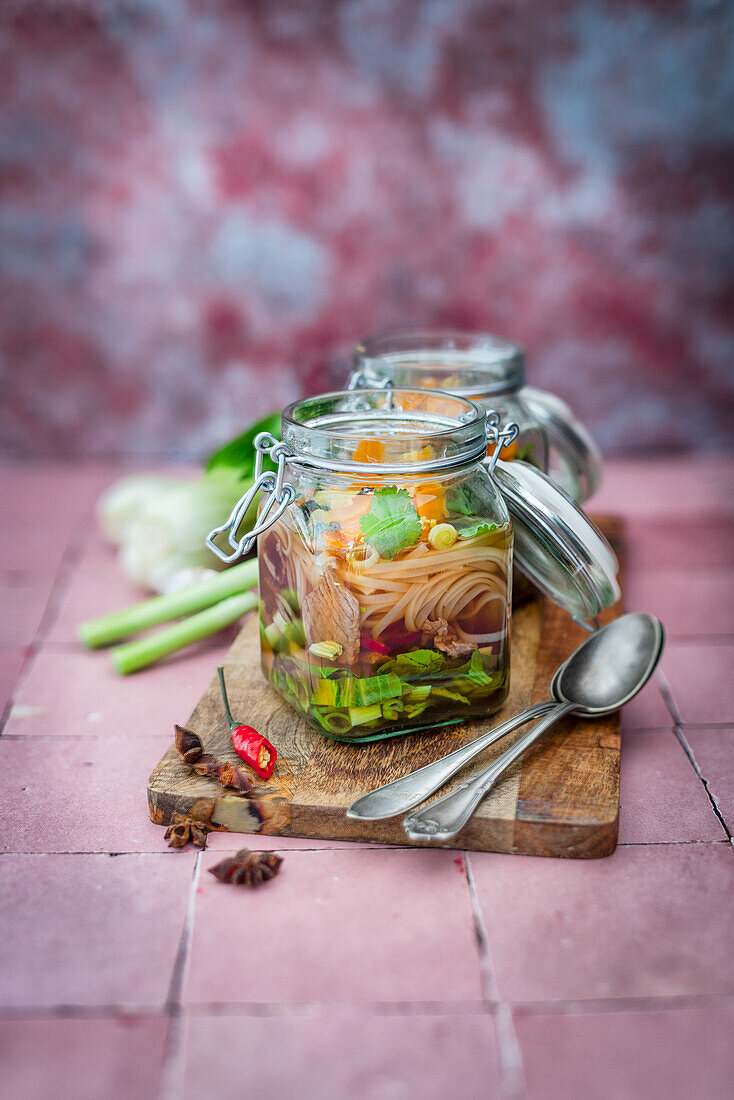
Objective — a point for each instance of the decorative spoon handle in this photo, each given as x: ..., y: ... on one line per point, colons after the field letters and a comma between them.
x: 404, y: 793
x: 442, y: 819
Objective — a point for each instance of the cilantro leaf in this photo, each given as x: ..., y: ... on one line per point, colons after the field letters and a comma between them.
x: 470, y: 528
x: 392, y: 523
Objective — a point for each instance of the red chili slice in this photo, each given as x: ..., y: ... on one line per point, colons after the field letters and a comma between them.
x: 255, y: 750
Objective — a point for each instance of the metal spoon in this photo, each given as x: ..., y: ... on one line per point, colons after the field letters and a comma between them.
x: 401, y: 795
x: 604, y: 673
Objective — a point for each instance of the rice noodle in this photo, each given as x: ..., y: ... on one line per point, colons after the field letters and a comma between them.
x: 457, y: 584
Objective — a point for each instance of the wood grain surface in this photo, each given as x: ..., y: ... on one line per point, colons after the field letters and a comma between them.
x: 561, y: 799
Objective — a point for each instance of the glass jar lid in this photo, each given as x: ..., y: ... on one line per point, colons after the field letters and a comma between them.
x: 367, y: 434
x: 385, y: 431
x: 467, y: 363
x: 569, y: 439
x: 556, y: 544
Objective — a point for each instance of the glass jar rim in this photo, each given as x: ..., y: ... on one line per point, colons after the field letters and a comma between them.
x: 491, y: 364
x: 326, y: 430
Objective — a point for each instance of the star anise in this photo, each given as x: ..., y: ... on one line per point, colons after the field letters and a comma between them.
x: 180, y: 833
x: 192, y: 752
x: 247, y: 868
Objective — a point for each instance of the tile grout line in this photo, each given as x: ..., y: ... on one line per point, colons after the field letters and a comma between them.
x: 508, y: 1048
x: 667, y: 694
x: 70, y: 558
x: 173, y: 1056
x: 685, y: 745
x: 357, y: 849
x: 351, y: 1010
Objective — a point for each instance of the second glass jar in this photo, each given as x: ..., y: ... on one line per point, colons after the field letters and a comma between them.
x: 491, y: 371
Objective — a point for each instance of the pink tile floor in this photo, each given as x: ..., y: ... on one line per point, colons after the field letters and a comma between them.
x: 126, y: 970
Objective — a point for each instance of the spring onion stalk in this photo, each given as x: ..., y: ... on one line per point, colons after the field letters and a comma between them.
x: 161, y: 609
x: 138, y: 654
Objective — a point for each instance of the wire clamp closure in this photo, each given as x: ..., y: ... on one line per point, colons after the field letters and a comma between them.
x: 363, y: 380
x: 498, y: 437
x: 280, y: 494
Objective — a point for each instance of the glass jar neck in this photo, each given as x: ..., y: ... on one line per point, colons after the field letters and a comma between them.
x: 385, y: 432
x: 473, y: 365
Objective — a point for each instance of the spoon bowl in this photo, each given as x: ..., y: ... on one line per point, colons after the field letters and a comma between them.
x: 611, y: 666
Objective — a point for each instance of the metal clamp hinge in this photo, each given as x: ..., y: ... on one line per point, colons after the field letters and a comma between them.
x: 363, y: 380
x: 500, y: 437
x: 281, y: 494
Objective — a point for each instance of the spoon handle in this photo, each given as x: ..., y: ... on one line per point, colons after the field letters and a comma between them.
x: 442, y: 819
x: 404, y: 793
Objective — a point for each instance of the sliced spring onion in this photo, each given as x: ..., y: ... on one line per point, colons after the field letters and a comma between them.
x: 416, y: 693
x: 328, y: 650
x: 416, y: 709
x: 359, y: 716
x: 335, y: 721
x: 442, y: 536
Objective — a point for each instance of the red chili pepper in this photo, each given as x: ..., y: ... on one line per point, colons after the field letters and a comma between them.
x: 255, y: 750
x: 250, y: 745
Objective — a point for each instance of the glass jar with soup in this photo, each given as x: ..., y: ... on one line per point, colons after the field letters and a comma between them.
x: 491, y: 371
x: 385, y: 562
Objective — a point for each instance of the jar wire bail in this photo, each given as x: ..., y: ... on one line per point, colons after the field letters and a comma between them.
x: 274, y: 484
x: 499, y: 437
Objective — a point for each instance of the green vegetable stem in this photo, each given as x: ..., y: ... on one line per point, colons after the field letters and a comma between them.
x: 138, y: 654
x: 161, y: 609
x: 225, y: 699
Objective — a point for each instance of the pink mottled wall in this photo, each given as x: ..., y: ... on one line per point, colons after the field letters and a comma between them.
x: 204, y: 204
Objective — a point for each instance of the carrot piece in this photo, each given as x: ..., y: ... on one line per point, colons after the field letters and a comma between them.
x: 429, y: 500
x: 369, y: 450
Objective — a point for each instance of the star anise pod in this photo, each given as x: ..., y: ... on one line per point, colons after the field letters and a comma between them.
x: 180, y: 833
x: 189, y: 745
x: 247, y: 868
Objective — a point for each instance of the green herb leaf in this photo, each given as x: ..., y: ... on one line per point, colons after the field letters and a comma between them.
x: 463, y: 500
x: 470, y: 528
x: 446, y: 693
x: 239, y: 454
x: 392, y: 523
x: 418, y: 663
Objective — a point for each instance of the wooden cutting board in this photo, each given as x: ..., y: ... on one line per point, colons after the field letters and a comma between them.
x: 561, y: 799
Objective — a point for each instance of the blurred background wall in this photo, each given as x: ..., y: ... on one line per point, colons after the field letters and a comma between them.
x: 205, y: 204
